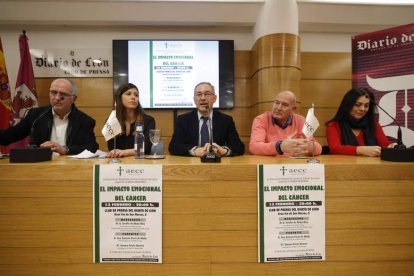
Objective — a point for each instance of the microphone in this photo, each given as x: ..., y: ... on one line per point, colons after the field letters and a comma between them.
x: 61, y: 98
x: 32, y: 153
x: 400, y: 153
x: 400, y: 143
x: 210, y: 156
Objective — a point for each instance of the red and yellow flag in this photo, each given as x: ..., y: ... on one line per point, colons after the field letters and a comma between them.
x: 5, y: 96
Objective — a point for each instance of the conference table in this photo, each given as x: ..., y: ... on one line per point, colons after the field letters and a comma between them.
x: 209, y: 218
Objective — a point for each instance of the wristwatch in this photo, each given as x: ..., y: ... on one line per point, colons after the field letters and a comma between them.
x: 66, y: 150
x: 279, y: 147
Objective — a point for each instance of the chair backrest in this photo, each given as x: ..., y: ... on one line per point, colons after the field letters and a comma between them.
x: 325, y: 150
x: 159, y: 148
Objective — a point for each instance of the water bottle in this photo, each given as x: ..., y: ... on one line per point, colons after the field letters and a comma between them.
x: 139, y: 145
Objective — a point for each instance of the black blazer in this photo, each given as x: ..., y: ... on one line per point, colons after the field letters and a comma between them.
x: 127, y: 142
x: 79, y: 134
x: 186, y: 133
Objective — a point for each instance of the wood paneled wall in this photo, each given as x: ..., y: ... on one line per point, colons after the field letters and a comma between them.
x: 326, y: 77
x: 322, y: 79
x: 275, y: 66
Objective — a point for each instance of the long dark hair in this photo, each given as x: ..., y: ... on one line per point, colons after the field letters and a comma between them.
x: 366, y: 123
x: 120, y: 108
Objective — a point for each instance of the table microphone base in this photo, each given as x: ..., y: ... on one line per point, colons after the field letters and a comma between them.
x: 210, y: 157
x: 398, y: 154
x: 29, y: 155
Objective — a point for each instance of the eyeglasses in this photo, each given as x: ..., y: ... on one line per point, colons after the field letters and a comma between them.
x: 60, y: 94
x: 206, y: 94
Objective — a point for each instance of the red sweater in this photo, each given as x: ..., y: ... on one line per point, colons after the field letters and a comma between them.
x: 333, y: 135
x: 265, y: 134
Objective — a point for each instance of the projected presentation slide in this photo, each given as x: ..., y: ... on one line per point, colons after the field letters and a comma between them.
x: 167, y: 71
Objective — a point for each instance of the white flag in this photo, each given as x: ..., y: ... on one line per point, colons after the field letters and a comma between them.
x: 311, y: 123
x: 112, y: 127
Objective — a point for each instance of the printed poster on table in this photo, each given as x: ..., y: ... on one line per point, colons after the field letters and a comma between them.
x: 291, y: 210
x: 127, y: 213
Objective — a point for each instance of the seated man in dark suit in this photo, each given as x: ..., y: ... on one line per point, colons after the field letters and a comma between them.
x: 60, y: 126
x: 192, y: 130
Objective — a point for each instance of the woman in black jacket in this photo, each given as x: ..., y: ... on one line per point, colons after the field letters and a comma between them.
x: 129, y: 113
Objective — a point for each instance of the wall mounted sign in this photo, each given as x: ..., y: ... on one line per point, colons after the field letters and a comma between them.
x: 79, y: 63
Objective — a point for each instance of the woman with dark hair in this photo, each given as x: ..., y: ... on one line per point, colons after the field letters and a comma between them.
x: 129, y: 113
x: 354, y: 130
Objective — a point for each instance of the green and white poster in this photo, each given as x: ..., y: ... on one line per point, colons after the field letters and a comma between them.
x: 291, y: 212
x: 127, y: 213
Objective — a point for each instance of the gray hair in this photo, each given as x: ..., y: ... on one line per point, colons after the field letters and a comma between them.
x: 207, y: 83
x: 74, y: 88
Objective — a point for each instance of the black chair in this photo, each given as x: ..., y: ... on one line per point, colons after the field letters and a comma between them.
x: 325, y: 150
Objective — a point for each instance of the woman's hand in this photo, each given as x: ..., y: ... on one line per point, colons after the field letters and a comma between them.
x: 120, y: 153
x: 370, y: 151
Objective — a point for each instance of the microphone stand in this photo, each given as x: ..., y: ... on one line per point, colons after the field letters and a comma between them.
x: 37, y: 119
x: 33, y: 153
x: 210, y: 156
x: 399, y: 153
x: 400, y: 143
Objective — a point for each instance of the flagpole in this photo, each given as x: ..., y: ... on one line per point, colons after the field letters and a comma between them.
x: 25, y: 81
x: 114, y: 159
x: 313, y: 160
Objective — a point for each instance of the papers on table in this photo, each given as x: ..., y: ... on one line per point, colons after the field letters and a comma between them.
x: 87, y: 154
